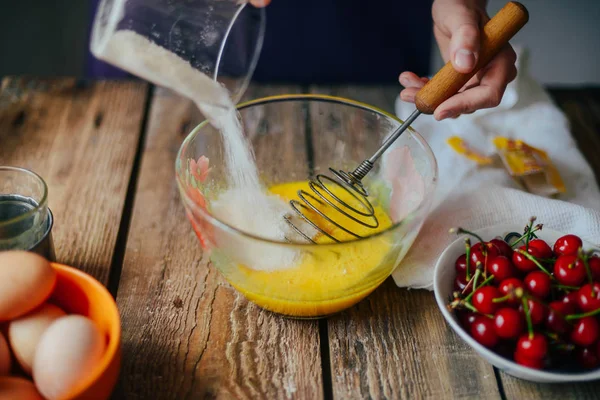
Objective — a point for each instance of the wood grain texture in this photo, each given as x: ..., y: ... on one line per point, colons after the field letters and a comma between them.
x: 186, y: 333
x: 396, y: 344
x: 81, y: 138
x: 582, y: 108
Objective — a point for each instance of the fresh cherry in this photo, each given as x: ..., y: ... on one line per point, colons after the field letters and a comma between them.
x: 587, y: 357
x: 535, y: 347
x: 542, y: 247
x: 569, y: 270
x: 588, y: 297
x: 508, y: 323
x: 509, y: 285
x: 528, y: 362
x: 482, y: 330
x: 467, y: 318
x: 523, y: 263
x: 571, y: 298
x: 585, y: 331
x: 566, y: 245
x: 483, y: 299
x: 536, y: 309
x: 538, y: 283
x: 594, y: 264
x: 460, y: 282
x: 479, y: 253
x: 555, y: 320
x: 501, y: 268
x: 461, y: 264
x: 503, y: 247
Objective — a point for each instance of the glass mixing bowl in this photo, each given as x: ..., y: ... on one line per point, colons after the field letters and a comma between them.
x: 293, y: 137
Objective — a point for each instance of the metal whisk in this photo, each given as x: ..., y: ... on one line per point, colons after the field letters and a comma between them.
x: 447, y: 82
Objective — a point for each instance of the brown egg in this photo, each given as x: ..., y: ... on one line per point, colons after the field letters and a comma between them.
x: 13, y: 388
x: 24, y: 332
x: 4, y: 356
x: 26, y: 281
x: 66, y: 355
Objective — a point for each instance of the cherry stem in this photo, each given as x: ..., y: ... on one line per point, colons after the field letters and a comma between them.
x: 565, y: 287
x: 503, y: 298
x: 485, y: 282
x: 477, y: 273
x: 527, y: 316
x: 460, y: 230
x: 469, y: 306
x: 533, y: 259
x: 528, y: 232
x: 583, y: 315
x: 468, y: 257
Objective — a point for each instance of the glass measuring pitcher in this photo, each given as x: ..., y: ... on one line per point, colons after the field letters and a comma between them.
x: 180, y: 44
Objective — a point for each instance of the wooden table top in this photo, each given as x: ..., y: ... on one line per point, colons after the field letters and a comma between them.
x: 107, y: 150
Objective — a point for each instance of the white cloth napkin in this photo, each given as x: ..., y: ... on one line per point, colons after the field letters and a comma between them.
x: 474, y: 197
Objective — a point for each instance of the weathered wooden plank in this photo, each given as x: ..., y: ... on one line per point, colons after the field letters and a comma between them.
x: 395, y: 343
x: 82, y: 139
x: 186, y: 333
x: 582, y: 107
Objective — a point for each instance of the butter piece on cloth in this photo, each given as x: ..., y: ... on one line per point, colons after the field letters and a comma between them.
x: 474, y: 197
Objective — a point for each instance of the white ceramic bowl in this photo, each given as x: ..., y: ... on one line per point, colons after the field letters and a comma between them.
x: 443, y: 286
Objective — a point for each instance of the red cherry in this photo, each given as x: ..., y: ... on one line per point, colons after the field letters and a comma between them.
x: 461, y: 264
x: 571, y: 299
x: 522, y: 262
x: 588, y: 297
x: 569, y: 270
x: 538, y: 284
x: 585, y: 331
x: 477, y: 253
x: 587, y: 357
x: 594, y: 264
x: 542, y: 247
x: 483, y: 299
x: 466, y: 319
x: 508, y: 323
x: 555, y: 320
x: 568, y: 244
x: 503, y: 247
x: 501, y: 268
x: 528, y: 362
x: 537, y: 311
x: 535, y: 347
x: 483, y: 331
x: 508, y: 285
x: 460, y: 282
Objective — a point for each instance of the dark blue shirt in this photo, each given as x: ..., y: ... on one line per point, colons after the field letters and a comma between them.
x: 345, y: 41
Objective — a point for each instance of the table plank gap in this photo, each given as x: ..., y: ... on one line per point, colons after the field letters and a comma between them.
x: 395, y: 343
x: 119, y: 253
x: 81, y: 138
x: 203, y: 338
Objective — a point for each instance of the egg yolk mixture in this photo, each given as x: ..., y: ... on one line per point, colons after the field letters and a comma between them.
x: 325, y: 279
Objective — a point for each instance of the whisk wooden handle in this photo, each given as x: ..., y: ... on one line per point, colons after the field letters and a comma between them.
x: 494, y: 36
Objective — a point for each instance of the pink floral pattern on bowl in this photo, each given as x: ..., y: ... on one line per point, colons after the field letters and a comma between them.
x: 198, y: 171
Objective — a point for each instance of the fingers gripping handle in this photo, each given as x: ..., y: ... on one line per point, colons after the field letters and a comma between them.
x: 494, y: 36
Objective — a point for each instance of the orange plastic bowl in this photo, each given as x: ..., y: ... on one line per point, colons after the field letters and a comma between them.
x: 78, y: 293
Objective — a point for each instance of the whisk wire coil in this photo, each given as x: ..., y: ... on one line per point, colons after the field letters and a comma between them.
x: 362, y: 212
